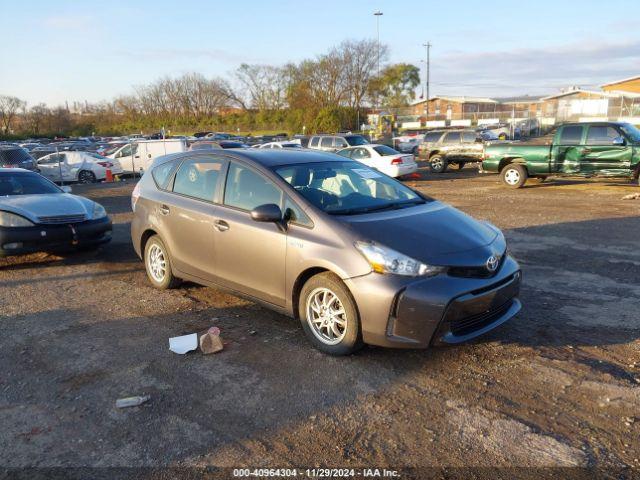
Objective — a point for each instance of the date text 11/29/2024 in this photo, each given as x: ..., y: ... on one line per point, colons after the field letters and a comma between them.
x: 315, y: 472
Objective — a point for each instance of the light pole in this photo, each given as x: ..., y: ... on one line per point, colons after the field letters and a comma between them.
x: 378, y: 14
x: 427, y: 47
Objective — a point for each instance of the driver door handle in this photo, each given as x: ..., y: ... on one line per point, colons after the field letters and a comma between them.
x: 221, y: 225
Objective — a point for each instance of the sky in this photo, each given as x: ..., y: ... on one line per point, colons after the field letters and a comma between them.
x: 62, y: 50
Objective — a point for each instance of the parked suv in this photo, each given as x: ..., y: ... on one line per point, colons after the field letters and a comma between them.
x: 444, y: 147
x: 333, y: 143
x: 354, y: 255
x: 16, y: 157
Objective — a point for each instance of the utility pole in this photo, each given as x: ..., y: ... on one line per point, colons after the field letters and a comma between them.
x: 427, y: 47
x: 378, y: 14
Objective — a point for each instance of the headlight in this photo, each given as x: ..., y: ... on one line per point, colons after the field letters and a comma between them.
x: 12, y: 220
x: 385, y: 260
x: 98, y: 211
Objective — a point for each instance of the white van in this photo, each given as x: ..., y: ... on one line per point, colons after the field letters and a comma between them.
x: 138, y: 155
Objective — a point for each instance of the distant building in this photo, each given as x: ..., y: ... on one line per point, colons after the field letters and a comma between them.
x: 627, y: 85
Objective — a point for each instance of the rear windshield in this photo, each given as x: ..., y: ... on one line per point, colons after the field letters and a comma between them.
x: 14, y: 156
x: 384, y: 150
x: 25, y: 184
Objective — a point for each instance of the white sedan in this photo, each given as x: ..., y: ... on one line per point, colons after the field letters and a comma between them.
x: 292, y: 144
x: 382, y: 158
x: 82, y: 167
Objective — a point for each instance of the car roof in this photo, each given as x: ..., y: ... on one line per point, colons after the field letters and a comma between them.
x: 15, y: 170
x: 267, y: 157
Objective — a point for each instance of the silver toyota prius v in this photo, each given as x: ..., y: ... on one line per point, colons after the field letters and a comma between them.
x: 356, y: 256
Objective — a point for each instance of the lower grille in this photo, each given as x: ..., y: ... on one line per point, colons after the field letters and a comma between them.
x: 62, y: 219
x: 466, y: 325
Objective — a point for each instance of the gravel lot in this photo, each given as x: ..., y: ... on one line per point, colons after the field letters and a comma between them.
x: 558, y: 386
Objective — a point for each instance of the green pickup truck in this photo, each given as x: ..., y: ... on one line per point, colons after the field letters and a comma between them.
x: 610, y: 149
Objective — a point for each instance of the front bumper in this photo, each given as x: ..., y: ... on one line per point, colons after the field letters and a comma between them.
x: 417, y: 313
x: 17, y: 241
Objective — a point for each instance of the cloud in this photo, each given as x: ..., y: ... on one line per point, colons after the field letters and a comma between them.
x: 537, y: 70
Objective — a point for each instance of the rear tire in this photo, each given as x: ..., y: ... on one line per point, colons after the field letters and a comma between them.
x: 329, y: 315
x: 514, y: 175
x: 437, y: 164
x: 157, y: 263
x: 85, y: 176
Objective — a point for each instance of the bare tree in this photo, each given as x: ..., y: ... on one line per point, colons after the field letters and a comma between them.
x: 264, y: 85
x: 9, y: 108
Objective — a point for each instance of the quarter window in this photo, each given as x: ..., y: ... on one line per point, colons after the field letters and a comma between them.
x: 468, y: 137
x: 162, y: 173
x: 247, y: 189
x: 295, y: 214
x: 601, y: 135
x: 198, y: 179
x: 571, y: 135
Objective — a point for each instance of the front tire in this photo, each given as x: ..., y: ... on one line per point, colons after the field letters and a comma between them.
x: 85, y: 176
x: 514, y: 175
x: 329, y: 315
x: 437, y: 164
x: 158, y: 264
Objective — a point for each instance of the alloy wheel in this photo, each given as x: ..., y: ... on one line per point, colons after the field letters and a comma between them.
x: 156, y: 263
x: 326, y: 316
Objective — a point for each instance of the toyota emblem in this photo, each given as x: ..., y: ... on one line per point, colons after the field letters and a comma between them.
x: 492, y: 263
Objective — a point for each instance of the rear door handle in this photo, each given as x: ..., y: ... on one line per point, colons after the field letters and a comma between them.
x: 221, y: 225
x: 164, y: 210
x: 586, y: 151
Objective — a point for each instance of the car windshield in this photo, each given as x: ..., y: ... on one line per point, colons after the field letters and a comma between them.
x: 356, y: 140
x: 632, y: 132
x: 14, y: 156
x: 25, y: 184
x: 347, y: 187
x: 384, y: 150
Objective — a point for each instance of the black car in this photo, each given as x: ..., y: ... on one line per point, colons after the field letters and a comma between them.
x: 16, y: 157
x: 232, y: 144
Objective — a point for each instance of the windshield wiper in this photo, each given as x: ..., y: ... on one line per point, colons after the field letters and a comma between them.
x: 379, y: 208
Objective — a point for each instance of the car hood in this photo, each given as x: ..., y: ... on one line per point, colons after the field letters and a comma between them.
x: 433, y: 233
x: 51, y: 204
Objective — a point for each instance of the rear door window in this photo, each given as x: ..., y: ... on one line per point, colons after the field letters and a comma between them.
x: 340, y: 142
x: 327, y: 142
x: 314, y: 142
x: 452, y: 137
x: 246, y: 189
x: 432, y: 136
x: 198, y: 178
x: 360, y: 153
x: 571, y: 135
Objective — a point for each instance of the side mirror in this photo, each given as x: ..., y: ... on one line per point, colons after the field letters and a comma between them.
x: 619, y: 141
x: 66, y: 188
x: 269, y: 212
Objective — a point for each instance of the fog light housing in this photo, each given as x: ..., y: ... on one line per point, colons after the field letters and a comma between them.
x: 12, y: 246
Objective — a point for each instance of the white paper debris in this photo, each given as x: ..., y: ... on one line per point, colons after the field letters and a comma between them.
x: 183, y: 344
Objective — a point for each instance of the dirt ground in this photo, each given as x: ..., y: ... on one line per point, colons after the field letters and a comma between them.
x: 558, y: 386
